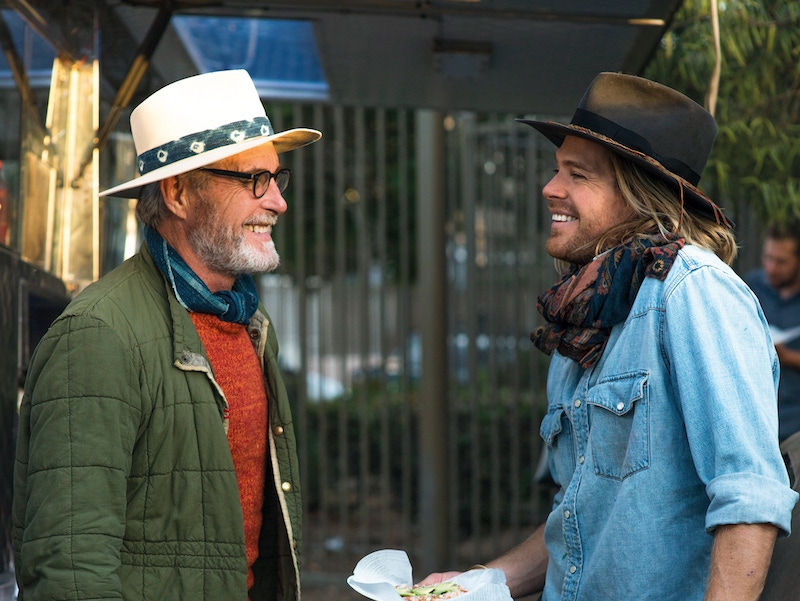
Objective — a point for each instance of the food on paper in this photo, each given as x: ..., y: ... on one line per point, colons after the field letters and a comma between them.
x: 432, y: 592
x: 386, y: 575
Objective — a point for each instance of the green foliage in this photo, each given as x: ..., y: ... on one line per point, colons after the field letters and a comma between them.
x: 756, y: 159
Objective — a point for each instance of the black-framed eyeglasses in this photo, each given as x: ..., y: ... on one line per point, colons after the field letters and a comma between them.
x: 260, y: 180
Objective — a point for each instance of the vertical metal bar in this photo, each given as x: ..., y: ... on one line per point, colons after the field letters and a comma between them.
x: 545, y: 273
x: 454, y: 319
x: 469, y: 187
x: 494, y: 277
x: 95, y: 162
x: 298, y: 206
x: 321, y: 349
x: 52, y: 241
x: 404, y: 319
x: 532, y: 225
x: 361, y: 323
x: 385, y: 484
x: 68, y: 123
x: 340, y: 339
x: 519, y: 277
x: 433, y: 385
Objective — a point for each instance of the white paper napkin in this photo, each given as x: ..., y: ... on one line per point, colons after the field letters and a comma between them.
x: 377, y: 575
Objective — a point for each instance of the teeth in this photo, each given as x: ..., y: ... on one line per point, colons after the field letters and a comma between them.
x: 259, y: 229
x: 563, y: 218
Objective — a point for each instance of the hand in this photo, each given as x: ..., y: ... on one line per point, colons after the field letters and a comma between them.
x: 438, y: 577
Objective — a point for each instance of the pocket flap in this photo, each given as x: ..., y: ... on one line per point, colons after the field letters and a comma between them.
x: 551, y: 425
x: 619, y: 393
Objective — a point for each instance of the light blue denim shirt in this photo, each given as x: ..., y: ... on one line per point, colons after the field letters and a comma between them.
x: 672, y: 433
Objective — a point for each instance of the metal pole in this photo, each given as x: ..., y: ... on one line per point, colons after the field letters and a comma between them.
x: 433, y: 401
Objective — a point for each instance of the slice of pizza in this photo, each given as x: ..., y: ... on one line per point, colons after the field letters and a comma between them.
x: 432, y: 592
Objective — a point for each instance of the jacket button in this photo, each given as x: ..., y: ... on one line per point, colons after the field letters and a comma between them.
x: 286, y: 486
x: 277, y: 430
x: 255, y: 334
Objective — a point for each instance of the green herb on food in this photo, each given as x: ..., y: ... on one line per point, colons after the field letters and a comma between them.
x: 431, y: 589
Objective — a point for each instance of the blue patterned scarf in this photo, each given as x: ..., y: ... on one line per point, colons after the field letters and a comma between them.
x: 589, y: 300
x: 237, y: 305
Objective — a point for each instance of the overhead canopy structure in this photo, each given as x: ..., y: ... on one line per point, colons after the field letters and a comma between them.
x: 516, y: 56
x: 522, y: 56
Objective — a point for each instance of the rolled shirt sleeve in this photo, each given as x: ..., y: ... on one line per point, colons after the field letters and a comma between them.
x: 726, y: 373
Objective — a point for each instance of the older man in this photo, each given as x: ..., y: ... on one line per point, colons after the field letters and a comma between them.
x: 156, y: 456
x: 662, y: 425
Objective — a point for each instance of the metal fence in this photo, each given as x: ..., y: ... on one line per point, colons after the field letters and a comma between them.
x: 353, y: 315
x: 350, y: 313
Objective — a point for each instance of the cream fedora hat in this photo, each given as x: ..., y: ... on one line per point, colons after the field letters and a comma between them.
x: 197, y: 121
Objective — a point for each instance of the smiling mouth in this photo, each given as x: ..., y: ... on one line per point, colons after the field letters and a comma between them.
x: 563, y: 218
x: 259, y: 229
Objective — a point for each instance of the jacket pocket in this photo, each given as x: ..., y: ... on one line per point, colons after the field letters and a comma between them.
x: 619, y: 433
x: 556, y: 432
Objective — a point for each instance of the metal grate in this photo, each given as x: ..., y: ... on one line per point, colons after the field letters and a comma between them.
x: 347, y: 311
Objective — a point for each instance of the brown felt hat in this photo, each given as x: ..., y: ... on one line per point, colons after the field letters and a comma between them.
x: 656, y: 127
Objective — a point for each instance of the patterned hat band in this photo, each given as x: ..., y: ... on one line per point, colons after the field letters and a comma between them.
x: 204, y: 141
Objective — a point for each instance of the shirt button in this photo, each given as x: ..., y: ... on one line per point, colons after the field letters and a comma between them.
x: 277, y: 430
x: 567, y: 514
x: 573, y: 569
x: 620, y: 406
x: 577, y: 402
x: 286, y: 486
x: 581, y: 459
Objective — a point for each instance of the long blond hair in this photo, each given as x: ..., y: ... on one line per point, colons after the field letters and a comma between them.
x: 658, y: 209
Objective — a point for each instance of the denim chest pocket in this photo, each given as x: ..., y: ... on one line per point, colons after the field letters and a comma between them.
x: 555, y: 430
x: 619, y: 427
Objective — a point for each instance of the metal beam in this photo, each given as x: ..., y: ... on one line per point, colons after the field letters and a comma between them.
x: 138, y: 68
x: 404, y: 8
x: 433, y: 396
x: 47, y: 25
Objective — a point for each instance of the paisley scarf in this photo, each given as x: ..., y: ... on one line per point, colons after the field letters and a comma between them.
x: 589, y: 300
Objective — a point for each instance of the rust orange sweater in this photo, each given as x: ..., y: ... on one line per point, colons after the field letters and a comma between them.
x: 238, y: 372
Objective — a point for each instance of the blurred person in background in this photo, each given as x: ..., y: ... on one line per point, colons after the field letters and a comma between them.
x: 777, y: 286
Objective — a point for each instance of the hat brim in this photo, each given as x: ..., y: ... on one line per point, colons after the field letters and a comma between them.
x: 284, y: 141
x: 695, y: 199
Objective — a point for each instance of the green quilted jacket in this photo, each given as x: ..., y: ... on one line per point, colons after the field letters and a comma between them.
x: 124, y: 486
